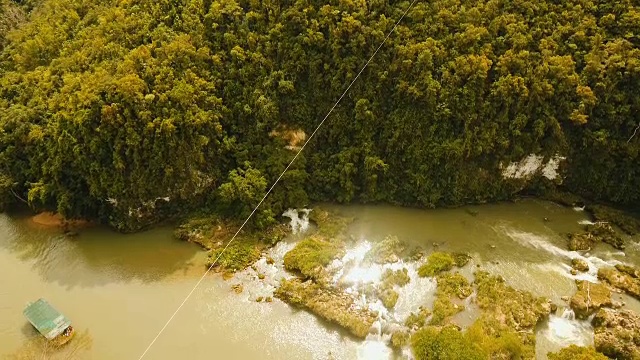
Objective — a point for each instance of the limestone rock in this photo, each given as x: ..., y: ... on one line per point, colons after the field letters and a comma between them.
x: 617, y: 334
x: 590, y: 298
x: 328, y: 303
x: 579, y: 265
x: 602, y: 231
x: 624, y: 280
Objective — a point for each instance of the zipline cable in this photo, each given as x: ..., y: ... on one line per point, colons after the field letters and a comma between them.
x: 278, y: 179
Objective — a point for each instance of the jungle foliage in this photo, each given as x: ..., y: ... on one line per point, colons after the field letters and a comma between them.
x: 129, y: 110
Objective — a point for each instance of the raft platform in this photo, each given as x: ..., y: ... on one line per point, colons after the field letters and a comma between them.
x: 49, y: 322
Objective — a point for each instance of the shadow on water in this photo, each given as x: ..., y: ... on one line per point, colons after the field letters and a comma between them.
x: 28, y: 330
x: 97, y: 256
x: 37, y: 347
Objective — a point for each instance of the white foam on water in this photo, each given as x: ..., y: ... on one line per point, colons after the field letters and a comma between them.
x: 353, y: 274
x: 578, y: 208
x: 272, y: 274
x: 616, y: 253
x: 564, y: 330
x: 414, y: 294
x: 541, y: 243
x: 374, y: 347
x: 585, y: 222
x: 298, y: 224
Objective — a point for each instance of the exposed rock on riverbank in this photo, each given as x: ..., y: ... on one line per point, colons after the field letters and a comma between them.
x: 629, y: 223
x: 57, y: 220
x: 624, y: 278
x: 214, y: 234
x: 617, y: 334
x: 598, y: 232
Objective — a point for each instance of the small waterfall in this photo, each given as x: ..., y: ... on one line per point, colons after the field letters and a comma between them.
x: 373, y: 348
x: 298, y: 224
x: 578, y: 208
x: 353, y: 274
x: 568, y: 314
x: 564, y: 330
x: 375, y: 345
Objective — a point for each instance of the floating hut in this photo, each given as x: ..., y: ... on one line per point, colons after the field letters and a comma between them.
x: 54, y: 326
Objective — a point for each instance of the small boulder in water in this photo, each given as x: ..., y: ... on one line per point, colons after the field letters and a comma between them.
x: 589, y: 298
x: 461, y: 259
x: 237, y: 288
x: 579, y: 264
x: 574, y: 272
x: 581, y: 241
x: 565, y: 298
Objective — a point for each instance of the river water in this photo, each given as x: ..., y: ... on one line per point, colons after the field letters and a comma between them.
x: 122, y: 288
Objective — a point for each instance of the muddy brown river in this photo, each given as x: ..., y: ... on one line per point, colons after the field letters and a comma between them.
x: 121, y: 289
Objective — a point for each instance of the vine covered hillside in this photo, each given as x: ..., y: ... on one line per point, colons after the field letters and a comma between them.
x: 129, y: 110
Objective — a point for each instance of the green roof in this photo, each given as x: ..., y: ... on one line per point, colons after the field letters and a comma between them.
x: 47, y: 320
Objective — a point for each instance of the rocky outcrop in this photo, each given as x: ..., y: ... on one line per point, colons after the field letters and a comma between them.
x: 602, y: 231
x: 598, y: 232
x: 330, y: 304
x: 622, y: 277
x: 617, y: 334
x: 581, y: 241
x: 629, y: 270
x: 518, y: 310
x: 590, y: 298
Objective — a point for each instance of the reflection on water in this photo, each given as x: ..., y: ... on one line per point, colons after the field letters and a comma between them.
x: 123, y: 287
x: 97, y: 256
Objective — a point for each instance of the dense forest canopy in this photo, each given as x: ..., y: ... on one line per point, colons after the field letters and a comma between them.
x: 119, y: 109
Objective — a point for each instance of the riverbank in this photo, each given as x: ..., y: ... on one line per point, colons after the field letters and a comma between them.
x: 58, y: 221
